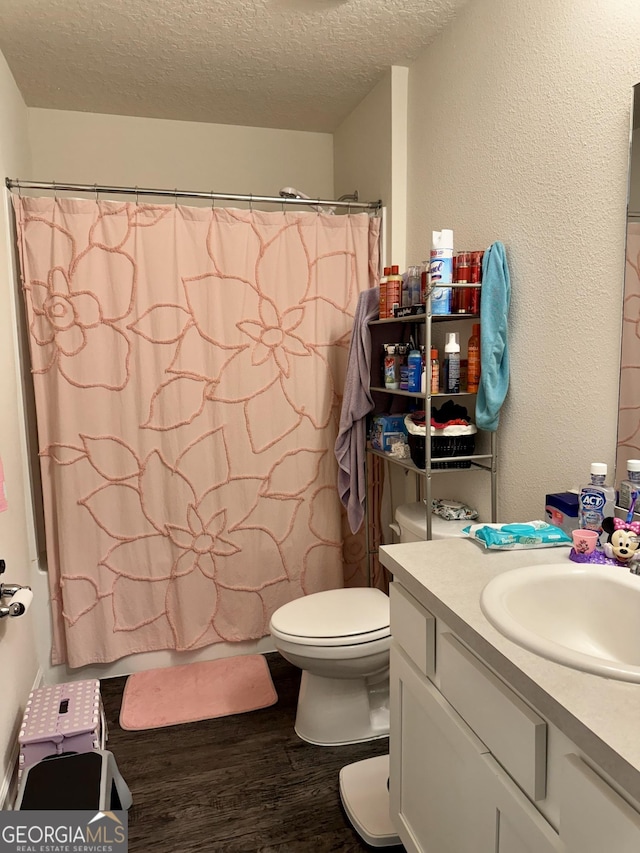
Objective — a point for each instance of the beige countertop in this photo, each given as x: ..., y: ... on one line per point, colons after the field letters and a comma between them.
x: 600, y: 715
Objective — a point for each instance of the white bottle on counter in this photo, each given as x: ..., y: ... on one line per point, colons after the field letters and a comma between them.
x: 596, y: 501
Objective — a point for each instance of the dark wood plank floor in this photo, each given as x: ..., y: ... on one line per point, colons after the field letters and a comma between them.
x: 239, y: 784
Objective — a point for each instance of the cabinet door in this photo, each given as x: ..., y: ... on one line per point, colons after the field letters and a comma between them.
x: 593, y: 817
x: 439, y: 791
x: 520, y: 827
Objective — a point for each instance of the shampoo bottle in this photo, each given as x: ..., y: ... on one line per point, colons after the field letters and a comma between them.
x: 452, y: 364
x: 596, y: 501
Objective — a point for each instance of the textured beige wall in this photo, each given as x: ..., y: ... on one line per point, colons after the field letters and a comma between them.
x: 363, y: 154
x: 17, y: 646
x: 128, y: 151
x: 519, y: 132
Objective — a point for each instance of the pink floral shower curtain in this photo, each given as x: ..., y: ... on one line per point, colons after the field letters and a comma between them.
x: 188, y: 367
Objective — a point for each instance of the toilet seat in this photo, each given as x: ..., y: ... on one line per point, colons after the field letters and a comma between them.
x: 336, y: 617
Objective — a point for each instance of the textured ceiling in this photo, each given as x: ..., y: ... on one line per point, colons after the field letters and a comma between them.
x: 295, y: 64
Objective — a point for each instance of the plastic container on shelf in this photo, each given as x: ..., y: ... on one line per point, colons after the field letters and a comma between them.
x: 446, y: 443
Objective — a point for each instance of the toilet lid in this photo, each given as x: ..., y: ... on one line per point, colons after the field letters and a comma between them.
x: 355, y: 615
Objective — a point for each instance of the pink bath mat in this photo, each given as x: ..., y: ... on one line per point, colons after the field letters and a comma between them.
x: 196, y: 691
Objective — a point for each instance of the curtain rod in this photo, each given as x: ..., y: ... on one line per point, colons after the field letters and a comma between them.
x: 17, y: 184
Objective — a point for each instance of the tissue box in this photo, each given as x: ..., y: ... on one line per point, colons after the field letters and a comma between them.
x: 386, y: 427
x: 561, y: 510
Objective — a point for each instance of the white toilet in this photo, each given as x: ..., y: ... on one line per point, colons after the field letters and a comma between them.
x: 340, y: 640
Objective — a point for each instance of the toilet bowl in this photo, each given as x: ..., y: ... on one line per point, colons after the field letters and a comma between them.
x: 340, y: 640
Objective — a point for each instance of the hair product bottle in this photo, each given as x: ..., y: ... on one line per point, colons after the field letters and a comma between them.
x: 382, y: 311
x: 394, y: 291
x: 473, y: 359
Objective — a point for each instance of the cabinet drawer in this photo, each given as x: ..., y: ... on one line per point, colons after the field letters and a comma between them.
x: 515, y: 734
x: 413, y: 628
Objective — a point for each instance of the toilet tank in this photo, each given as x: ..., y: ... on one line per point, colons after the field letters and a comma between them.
x: 411, y: 524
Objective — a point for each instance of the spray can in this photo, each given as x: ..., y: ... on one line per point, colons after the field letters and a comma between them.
x: 441, y: 270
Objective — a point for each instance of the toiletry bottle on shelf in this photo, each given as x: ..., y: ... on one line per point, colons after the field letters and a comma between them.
x: 630, y: 485
x: 403, y: 351
x: 596, y: 501
x: 415, y: 371
x: 441, y: 271
x: 473, y: 359
x: 382, y: 312
x: 452, y: 364
x: 435, y: 371
x: 394, y: 291
x: 391, y: 368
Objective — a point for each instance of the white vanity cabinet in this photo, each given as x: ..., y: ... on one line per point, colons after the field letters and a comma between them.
x: 474, y: 766
x: 448, y: 794
x: 438, y: 778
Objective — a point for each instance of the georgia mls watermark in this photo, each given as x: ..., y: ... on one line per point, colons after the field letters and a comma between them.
x: 63, y: 832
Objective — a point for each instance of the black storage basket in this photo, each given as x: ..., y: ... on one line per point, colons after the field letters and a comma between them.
x: 442, y: 446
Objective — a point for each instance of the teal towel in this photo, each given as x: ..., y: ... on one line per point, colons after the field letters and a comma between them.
x: 495, y: 295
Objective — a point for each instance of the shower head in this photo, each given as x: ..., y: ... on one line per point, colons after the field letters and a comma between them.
x: 291, y: 192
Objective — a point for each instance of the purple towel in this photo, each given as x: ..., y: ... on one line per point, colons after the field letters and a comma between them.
x: 350, y: 446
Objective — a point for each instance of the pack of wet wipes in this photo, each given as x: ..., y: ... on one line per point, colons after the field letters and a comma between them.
x: 533, y: 534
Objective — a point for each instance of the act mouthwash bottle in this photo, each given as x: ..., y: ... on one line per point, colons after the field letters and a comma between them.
x: 596, y: 501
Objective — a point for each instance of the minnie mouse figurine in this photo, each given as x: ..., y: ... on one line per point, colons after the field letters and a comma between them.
x: 623, y: 541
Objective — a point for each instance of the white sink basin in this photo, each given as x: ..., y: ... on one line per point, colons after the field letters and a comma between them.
x: 581, y: 615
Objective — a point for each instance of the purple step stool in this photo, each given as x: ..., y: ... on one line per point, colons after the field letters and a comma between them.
x: 62, y: 718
